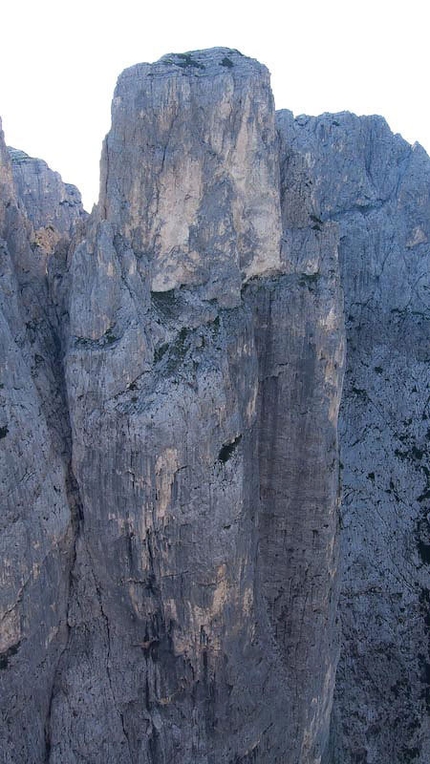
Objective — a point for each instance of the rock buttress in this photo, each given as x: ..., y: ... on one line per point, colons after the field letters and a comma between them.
x: 200, y: 197
x: 178, y: 300
x: 354, y: 172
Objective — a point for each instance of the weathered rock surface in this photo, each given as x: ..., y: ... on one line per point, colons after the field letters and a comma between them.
x: 173, y: 367
x: 36, y: 538
x: 171, y: 386
x: 46, y: 199
x: 53, y: 207
x: 376, y: 187
x: 200, y: 197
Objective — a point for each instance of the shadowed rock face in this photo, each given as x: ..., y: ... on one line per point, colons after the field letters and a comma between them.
x: 37, y: 502
x: 376, y: 187
x: 171, y: 591
x: 50, y: 204
x: 200, y: 196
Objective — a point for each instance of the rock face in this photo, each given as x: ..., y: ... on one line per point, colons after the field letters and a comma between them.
x: 376, y: 187
x: 200, y: 197
x: 44, y: 196
x: 175, y: 363
x: 54, y: 208
x: 172, y: 380
x: 36, y: 537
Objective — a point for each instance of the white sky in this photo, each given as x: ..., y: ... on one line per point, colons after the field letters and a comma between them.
x: 59, y: 62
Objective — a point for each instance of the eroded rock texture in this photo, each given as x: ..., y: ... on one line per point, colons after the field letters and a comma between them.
x: 376, y: 187
x: 200, y: 196
x: 50, y: 204
x: 172, y: 380
x: 169, y: 376
x: 36, y: 538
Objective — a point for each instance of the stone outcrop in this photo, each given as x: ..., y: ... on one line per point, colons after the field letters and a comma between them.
x: 199, y: 197
x: 376, y: 187
x: 54, y: 208
x: 36, y: 538
x: 172, y: 380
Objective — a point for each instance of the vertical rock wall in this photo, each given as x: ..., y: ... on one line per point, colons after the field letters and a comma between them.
x: 171, y: 382
x: 375, y: 187
x: 383, y: 701
x: 36, y: 533
x: 174, y: 647
x: 300, y: 339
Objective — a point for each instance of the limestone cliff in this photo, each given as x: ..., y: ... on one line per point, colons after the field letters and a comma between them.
x: 172, y: 378
x: 48, y: 202
x: 377, y: 188
x: 36, y: 538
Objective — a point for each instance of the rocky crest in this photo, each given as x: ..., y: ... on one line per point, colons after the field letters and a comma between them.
x: 172, y: 373
x: 48, y: 202
x: 199, y: 198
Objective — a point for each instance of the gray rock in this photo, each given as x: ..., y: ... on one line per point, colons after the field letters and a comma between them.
x: 36, y: 537
x: 53, y: 207
x: 200, y: 196
x: 44, y: 196
x: 175, y: 647
x: 376, y: 187
x: 171, y: 385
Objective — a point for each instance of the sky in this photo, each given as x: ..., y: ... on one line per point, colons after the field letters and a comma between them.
x: 59, y: 63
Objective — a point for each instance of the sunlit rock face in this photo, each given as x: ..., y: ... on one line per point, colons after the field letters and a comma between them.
x: 190, y: 171
x: 172, y: 379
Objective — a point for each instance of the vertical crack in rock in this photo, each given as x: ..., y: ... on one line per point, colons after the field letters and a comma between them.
x: 301, y: 342
x: 76, y: 515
